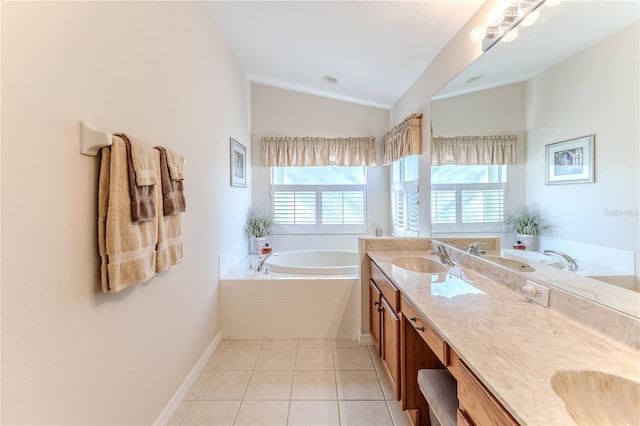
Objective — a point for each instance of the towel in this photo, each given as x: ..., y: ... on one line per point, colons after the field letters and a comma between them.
x: 144, y: 162
x: 176, y: 163
x: 173, y: 201
x: 127, y: 249
x: 169, y: 248
x: 142, y: 196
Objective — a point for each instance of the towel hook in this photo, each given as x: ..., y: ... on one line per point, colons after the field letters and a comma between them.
x: 92, y: 138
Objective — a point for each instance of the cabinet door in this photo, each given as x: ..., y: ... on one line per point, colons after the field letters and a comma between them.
x: 477, y: 403
x: 375, y: 314
x: 391, y: 346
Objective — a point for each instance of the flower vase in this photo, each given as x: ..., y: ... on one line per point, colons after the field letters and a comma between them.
x: 528, y: 240
x: 260, y: 242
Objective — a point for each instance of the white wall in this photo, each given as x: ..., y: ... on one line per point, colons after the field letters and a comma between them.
x: 278, y: 112
x: 161, y: 72
x: 497, y: 111
x: 594, y: 92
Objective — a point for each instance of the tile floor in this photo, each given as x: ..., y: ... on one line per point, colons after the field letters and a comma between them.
x: 291, y: 382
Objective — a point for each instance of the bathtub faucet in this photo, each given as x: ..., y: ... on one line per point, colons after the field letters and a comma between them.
x: 571, y: 262
x: 442, y: 253
x: 261, y: 264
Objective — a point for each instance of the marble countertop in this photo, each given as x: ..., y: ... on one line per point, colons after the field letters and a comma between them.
x: 512, y: 345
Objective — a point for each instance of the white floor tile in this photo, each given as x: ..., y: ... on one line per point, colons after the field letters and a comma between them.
x: 314, y: 359
x: 315, y: 343
x: 179, y: 414
x: 268, y: 413
x: 270, y: 385
x: 240, y: 358
x: 313, y: 413
x: 353, y: 359
x: 276, y: 359
x: 314, y: 385
x: 358, y: 385
x: 225, y: 385
x: 364, y: 413
x: 210, y: 413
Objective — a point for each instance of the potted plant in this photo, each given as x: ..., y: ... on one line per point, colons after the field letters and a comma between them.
x: 259, y: 226
x: 527, y: 224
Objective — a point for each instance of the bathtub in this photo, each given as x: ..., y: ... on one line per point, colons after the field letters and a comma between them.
x: 306, y: 294
x: 314, y: 262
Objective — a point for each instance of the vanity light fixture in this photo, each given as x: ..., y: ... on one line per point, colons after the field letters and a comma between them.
x: 329, y: 79
x: 502, y: 21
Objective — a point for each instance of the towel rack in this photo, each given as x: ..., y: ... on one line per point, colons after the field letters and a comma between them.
x: 92, y: 138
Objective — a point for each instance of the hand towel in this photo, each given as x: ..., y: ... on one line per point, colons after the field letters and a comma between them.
x: 144, y: 163
x: 127, y: 249
x: 173, y: 201
x: 176, y: 164
x: 142, y: 196
x: 169, y: 247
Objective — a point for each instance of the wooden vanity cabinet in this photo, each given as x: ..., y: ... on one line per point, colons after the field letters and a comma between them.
x: 385, y: 324
x: 477, y: 405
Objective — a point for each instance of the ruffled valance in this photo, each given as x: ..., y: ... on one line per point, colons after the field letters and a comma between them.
x: 474, y: 150
x: 403, y: 139
x: 310, y: 151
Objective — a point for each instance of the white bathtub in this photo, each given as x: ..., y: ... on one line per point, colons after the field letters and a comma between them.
x: 314, y: 262
x: 321, y: 301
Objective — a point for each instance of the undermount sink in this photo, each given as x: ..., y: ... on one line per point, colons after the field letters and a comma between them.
x: 419, y: 264
x: 513, y: 264
x: 593, y: 397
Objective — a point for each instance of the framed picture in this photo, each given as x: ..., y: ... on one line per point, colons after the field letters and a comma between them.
x: 570, y: 161
x: 238, y: 164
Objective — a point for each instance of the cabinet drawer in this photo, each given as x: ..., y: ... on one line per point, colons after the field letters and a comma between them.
x: 388, y: 290
x: 431, y: 338
x: 477, y: 403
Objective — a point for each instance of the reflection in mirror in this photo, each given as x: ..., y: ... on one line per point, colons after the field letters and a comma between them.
x: 571, y: 74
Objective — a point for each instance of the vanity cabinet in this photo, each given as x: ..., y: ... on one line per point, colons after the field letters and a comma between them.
x: 385, y: 324
x: 477, y: 405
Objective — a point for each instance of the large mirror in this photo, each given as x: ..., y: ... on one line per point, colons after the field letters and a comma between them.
x: 573, y: 73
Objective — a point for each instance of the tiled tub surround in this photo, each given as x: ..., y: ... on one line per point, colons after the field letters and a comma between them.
x: 513, y: 346
x: 255, y: 305
x: 291, y: 382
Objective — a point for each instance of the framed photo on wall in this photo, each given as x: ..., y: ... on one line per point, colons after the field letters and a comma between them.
x: 570, y: 161
x: 238, y: 164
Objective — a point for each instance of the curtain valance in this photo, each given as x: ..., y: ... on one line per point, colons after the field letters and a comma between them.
x: 315, y: 151
x: 403, y: 139
x: 474, y: 150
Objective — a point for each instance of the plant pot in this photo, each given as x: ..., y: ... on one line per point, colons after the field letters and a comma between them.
x: 529, y: 241
x: 259, y: 243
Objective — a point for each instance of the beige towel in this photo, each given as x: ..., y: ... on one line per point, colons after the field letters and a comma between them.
x: 127, y: 249
x: 143, y: 205
x: 169, y: 248
x: 144, y: 163
x: 176, y: 164
x: 173, y: 201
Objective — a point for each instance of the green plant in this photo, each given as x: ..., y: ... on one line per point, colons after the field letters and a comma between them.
x: 530, y: 221
x: 259, y: 223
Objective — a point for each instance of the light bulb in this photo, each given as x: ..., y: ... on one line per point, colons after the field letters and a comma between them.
x: 495, y: 16
x: 510, y: 36
x: 478, y: 34
x: 552, y: 3
x: 530, y: 19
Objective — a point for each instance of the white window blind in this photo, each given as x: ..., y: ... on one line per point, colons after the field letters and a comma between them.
x: 336, y: 205
x: 475, y: 205
x: 405, y: 205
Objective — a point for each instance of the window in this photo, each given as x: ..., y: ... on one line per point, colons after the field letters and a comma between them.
x: 404, y: 201
x: 326, y: 199
x: 467, y: 198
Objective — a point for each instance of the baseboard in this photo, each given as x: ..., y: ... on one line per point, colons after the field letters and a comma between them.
x: 365, y: 339
x: 173, y: 404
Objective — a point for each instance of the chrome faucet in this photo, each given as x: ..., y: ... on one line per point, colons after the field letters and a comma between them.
x: 261, y: 264
x: 442, y: 253
x: 571, y: 262
x: 473, y: 248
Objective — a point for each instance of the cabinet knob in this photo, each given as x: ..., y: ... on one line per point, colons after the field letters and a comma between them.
x: 379, y: 308
x: 376, y: 303
x: 413, y: 319
x: 421, y: 328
